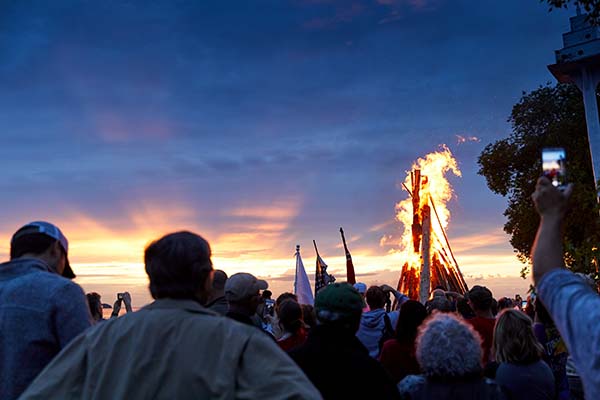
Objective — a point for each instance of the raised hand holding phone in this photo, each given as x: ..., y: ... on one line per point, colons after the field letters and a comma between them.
x: 554, y: 166
x: 127, y: 300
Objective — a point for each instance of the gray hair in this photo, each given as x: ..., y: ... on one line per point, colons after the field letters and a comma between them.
x: 448, y: 347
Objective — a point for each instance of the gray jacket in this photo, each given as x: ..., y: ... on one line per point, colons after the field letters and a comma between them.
x: 172, y: 349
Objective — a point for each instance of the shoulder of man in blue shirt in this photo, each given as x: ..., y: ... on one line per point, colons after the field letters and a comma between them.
x: 41, y: 313
x: 32, y: 284
x: 575, y: 309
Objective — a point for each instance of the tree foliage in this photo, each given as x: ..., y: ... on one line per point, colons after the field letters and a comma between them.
x: 591, y: 7
x: 551, y: 116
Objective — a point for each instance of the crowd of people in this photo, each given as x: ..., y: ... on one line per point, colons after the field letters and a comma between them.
x: 210, y: 335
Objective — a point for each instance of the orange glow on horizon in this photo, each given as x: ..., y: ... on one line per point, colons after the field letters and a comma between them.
x: 108, y: 255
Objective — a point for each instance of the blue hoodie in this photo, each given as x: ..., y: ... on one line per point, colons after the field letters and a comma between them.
x: 40, y: 312
x: 371, y: 329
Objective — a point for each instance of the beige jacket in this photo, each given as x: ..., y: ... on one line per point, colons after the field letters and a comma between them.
x: 172, y: 349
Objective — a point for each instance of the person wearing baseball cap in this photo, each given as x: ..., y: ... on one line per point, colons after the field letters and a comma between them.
x: 40, y: 308
x: 22, y: 241
x: 333, y: 354
x: 362, y: 289
x: 242, y: 291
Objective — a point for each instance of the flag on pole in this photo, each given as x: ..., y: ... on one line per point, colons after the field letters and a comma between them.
x: 322, y: 278
x: 301, y: 284
x: 350, y: 277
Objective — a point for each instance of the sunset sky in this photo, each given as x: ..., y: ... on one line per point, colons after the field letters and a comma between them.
x: 259, y: 125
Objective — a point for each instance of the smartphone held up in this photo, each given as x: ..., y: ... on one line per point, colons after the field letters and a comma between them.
x: 554, y: 166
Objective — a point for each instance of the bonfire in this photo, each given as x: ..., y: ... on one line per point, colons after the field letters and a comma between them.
x: 425, y: 216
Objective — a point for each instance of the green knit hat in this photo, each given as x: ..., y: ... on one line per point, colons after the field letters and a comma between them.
x: 338, y: 301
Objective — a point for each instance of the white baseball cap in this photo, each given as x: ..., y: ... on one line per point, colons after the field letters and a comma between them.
x: 51, y: 230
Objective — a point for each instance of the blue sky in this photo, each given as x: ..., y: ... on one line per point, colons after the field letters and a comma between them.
x: 258, y: 124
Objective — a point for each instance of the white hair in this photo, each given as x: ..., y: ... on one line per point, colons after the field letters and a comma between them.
x: 448, y: 347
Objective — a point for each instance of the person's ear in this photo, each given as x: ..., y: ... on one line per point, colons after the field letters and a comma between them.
x: 54, y: 251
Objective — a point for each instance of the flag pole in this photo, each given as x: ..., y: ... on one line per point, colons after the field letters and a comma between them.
x: 350, y: 277
x: 296, y: 274
x: 317, y: 269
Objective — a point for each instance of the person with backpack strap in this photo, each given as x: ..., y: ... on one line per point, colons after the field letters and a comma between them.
x: 373, y: 328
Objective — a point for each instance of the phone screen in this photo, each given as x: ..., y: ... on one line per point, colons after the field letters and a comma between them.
x: 553, y: 164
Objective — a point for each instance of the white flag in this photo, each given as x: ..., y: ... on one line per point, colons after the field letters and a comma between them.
x: 301, y: 284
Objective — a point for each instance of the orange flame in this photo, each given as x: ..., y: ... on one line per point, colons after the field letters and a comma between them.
x: 434, y: 189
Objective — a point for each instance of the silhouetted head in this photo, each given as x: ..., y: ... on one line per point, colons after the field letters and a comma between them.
x: 375, y: 297
x: 505, y: 302
x: 290, y: 316
x: 340, y: 306
x: 412, y: 315
x: 179, y: 267
x: 219, y: 279
x: 44, y: 241
x: 242, y: 292
x: 283, y: 297
x: 480, y: 298
x: 95, y: 304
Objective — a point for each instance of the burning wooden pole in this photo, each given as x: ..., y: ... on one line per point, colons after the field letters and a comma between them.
x: 425, y: 278
x: 417, y: 229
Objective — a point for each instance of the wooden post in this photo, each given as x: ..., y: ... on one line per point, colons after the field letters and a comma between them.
x: 417, y: 229
x: 424, y: 284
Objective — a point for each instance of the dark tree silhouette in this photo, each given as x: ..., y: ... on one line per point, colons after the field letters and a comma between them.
x: 591, y: 7
x: 551, y: 116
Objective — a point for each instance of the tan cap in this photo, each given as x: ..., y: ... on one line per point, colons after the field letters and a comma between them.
x: 242, y: 285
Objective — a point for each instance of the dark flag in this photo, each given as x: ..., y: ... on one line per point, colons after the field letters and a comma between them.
x: 350, y: 277
x: 322, y: 278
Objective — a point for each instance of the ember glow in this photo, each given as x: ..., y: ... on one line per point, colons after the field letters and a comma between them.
x: 425, y: 209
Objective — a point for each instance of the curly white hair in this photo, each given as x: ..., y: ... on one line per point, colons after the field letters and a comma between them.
x: 448, y: 347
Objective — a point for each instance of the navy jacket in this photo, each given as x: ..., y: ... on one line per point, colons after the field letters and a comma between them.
x: 40, y: 312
